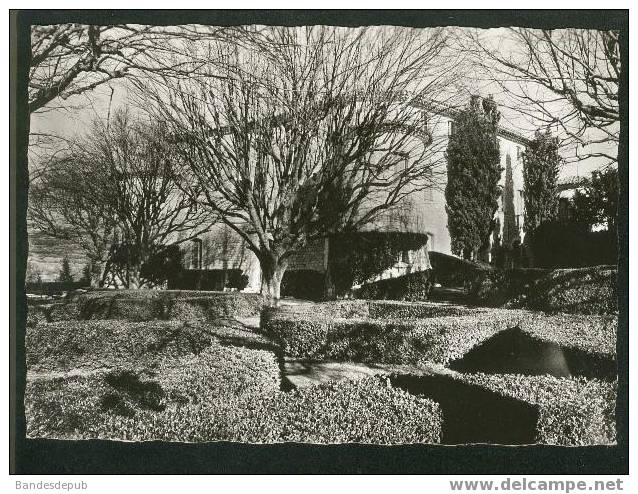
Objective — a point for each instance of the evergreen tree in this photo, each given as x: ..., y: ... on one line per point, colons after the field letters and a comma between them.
x: 510, y: 231
x: 65, y: 271
x: 474, y: 170
x: 541, y: 162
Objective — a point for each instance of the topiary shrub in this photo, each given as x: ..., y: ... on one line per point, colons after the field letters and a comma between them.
x: 413, y: 287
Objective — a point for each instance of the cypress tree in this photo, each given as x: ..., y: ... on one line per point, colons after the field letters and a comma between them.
x: 510, y: 231
x: 541, y: 162
x: 473, y: 169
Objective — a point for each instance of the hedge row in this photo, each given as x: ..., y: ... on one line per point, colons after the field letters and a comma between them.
x: 97, y: 344
x: 413, y: 286
x: 588, y: 333
x: 146, y: 305
x: 375, y: 309
x: 577, y: 291
x: 363, y: 411
x: 436, y: 339
x: 407, y: 310
x: 571, y: 412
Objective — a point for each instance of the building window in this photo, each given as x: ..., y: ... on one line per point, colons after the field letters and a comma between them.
x: 451, y: 128
x: 518, y: 221
x: 196, y: 253
x: 405, y: 256
x: 519, y: 152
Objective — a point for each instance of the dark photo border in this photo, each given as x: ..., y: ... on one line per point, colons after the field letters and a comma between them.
x: 39, y: 456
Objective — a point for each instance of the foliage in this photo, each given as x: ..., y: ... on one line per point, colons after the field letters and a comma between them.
x: 510, y: 231
x: 146, y: 305
x: 541, y: 162
x: 452, y: 271
x: 305, y: 284
x: 571, y: 411
x: 356, y: 257
x: 394, y: 341
x: 570, y: 244
x: 577, y: 291
x: 474, y: 171
x: 412, y: 286
x: 65, y: 275
x: 237, y: 280
x: 362, y: 411
x: 33, y: 274
x: 597, y: 204
x: 165, y: 263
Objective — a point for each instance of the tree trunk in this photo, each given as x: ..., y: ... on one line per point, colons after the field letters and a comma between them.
x: 272, y: 272
x: 134, y: 279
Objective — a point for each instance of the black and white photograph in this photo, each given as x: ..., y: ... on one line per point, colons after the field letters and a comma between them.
x: 322, y: 232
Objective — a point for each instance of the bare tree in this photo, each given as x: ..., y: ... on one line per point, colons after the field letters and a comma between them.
x: 71, y: 59
x: 115, y: 195
x: 566, y: 79
x: 309, y: 131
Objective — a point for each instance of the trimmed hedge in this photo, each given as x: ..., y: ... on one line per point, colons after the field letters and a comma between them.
x: 408, y: 310
x: 364, y: 411
x: 576, y: 291
x: 497, y: 287
x: 146, y: 305
x: 571, y: 412
x: 375, y: 309
x: 452, y: 271
x: 436, y: 339
x: 413, y: 287
x: 588, y: 333
x: 97, y: 344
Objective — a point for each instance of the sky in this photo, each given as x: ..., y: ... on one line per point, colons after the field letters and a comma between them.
x: 74, y: 115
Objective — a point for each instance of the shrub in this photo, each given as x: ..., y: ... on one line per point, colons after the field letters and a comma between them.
x: 453, y: 271
x: 577, y: 291
x: 359, y: 256
x: 437, y: 339
x: 237, y: 280
x: 591, y: 334
x: 567, y: 244
x: 495, y: 288
x: 145, y: 305
x: 366, y: 411
x: 303, y: 284
x: 95, y: 344
x: 408, y: 310
x: 571, y: 411
x: 413, y: 287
